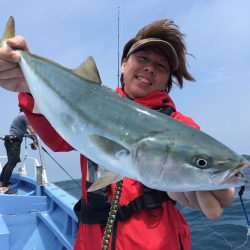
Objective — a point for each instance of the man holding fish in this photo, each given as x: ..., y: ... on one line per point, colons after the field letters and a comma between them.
x: 151, y: 62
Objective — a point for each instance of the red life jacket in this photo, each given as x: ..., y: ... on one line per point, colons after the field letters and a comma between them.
x: 163, y: 228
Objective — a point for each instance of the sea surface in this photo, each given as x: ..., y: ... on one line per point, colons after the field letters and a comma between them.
x: 230, y: 232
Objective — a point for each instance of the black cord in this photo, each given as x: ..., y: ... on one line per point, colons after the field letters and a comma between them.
x: 242, y: 189
x: 60, y: 166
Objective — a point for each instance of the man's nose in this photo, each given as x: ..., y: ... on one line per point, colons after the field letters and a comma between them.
x: 150, y: 67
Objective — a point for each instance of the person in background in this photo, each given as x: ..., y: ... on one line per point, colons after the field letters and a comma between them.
x: 12, y: 142
x: 152, y: 61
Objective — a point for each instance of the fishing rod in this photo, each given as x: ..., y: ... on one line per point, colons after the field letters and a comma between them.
x: 118, y: 47
x: 40, y: 148
x: 11, y: 137
x: 60, y: 166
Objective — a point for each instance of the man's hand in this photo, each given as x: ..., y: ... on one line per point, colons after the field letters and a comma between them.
x: 211, y: 203
x: 11, y: 76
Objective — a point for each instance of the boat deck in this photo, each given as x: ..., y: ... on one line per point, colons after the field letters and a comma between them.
x: 37, y: 217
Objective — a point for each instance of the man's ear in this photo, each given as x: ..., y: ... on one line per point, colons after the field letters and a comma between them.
x: 123, y: 66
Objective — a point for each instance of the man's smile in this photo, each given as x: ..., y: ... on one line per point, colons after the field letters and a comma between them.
x: 144, y: 80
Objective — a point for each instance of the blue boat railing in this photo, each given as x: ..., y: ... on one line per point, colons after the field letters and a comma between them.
x: 46, y: 212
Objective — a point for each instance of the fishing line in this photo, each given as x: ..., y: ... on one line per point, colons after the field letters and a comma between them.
x: 200, y: 217
x: 224, y: 238
x: 242, y: 189
x: 219, y: 235
x: 244, y: 243
x: 118, y: 46
x: 77, y: 184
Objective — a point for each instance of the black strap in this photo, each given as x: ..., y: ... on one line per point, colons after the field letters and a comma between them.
x: 166, y: 110
x: 97, y: 209
x: 150, y: 199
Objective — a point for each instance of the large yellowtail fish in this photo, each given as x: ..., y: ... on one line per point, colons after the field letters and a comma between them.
x: 127, y: 138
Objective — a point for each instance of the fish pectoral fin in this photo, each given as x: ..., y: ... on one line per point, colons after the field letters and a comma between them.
x: 104, y: 181
x: 109, y: 147
x: 88, y: 70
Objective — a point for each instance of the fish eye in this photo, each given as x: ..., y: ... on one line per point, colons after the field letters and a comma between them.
x: 201, y: 163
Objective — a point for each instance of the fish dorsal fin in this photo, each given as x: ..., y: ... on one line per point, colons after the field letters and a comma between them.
x: 10, y: 29
x: 109, y: 147
x: 105, y: 180
x: 88, y: 70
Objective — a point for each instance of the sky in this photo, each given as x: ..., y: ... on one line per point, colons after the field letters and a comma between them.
x: 217, y: 37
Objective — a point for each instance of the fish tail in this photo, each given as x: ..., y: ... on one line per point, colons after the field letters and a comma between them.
x: 10, y: 29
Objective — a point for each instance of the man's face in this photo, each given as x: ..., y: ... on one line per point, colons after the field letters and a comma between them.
x: 145, y: 71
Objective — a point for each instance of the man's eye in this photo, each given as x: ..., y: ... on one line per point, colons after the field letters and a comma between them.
x: 143, y: 58
x: 162, y: 67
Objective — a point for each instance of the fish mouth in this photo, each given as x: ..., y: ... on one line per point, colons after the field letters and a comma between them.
x: 231, y: 176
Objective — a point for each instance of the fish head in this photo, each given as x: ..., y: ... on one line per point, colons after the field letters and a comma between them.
x: 184, y: 163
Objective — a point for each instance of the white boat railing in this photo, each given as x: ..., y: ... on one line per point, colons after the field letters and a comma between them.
x: 22, y: 169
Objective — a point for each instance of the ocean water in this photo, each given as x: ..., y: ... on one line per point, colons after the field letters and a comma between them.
x: 229, y: 232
